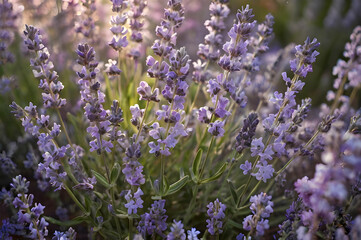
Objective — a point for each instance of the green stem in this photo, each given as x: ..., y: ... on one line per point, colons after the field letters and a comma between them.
x: 130, y: 229
x: 195, y: 97
x: 205, y: 160
x: 338, y: 94
x: 77, y: 202
x: 353, y: 94
x: 142, y: 121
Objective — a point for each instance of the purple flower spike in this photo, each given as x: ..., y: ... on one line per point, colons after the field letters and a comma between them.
x: 216, y: 214
x: 176, y: 231
x: 134, y: 201
x: 216, y: 128
x: 261, y: 208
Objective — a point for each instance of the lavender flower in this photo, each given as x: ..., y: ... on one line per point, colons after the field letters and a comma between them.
x: 244, y: 138
x: 146, y: 93
x: 85, y: 24
x: 176, y: 231
x: 7, y: 166
x: 51, y: 153
x: 237, y: 46
x: 7, y: 28
x: 92, y: 98
x: 28, y: 215
x: 134, y: 201
x: 212, y: 41
x: 305, y: 56
x: 43, y: 69
x: 133, y: 170
x: 246, y: 167
x: 193, y: 234
x: 351, y: 68
x: 216, y: 214
x: 261, y: 208
x: 118, y: 22
x: 154, y: 222
x: 70, y: 234
x: 174, y: 91
x: 166, y: 32
x: 137, y: 7
x: 216, y: 128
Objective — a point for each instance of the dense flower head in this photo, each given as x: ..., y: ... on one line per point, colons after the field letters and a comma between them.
x: 137, y: 8
x: 237, y: 46
x: 193, y: 234
x: 352, y: 67
x: 216, y: 214
x: 209, y: 50
x: 85, y: 24
x: 70, y: 234
x: 133, y: 170
x: 29, y: 214
x: 118, y: 25
x: 154, y: 222
x: 261, y: 208
x: 245, y: 136
x: 166, y: 31
x: 7, y: 28
x: 92, y: 99
x: 176, y: 231
x: 134, y: 201
x: 43, y: 69
x: 305, y: 56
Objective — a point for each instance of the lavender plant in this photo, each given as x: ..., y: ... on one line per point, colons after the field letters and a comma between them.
x: 144, y: 141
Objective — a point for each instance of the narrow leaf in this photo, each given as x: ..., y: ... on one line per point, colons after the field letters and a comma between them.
x: 115, y: 173
x: 197, y: 162
x: 216, y: 175
x: 70, y: 223
x: 101, y: 179
x: 233, y: 192
x: 175, y: 187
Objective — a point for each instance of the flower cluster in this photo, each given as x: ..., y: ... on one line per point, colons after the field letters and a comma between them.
x: 118, y: 22
x: 327, y: 190
x: 85, y: 24
x: 136, y: 24
x: 261, y: 208
x: 154, y: 222
x: 92, y: 99
x: 43, y: 69
x: 174, y: 92
x: 7, y: 28
x: 218, y: 11
x: 216, y: 214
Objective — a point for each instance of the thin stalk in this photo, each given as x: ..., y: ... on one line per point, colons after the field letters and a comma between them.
x: 196, y: 96
x: 77, y: 202
x: 33, y: 221
x: 142, y: 121
x: 130, y: 229
x: 294, y: 156
x: 113, y: 203
x: 205, y: 160
x: 353, y: 94
x: 339, y: 94
x: 191, y: 204
x: 161, y: 174
x: 229, y: 171
x: 199, y: 87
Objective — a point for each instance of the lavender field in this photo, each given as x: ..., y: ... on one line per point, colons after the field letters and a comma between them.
x: 180, y: 119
